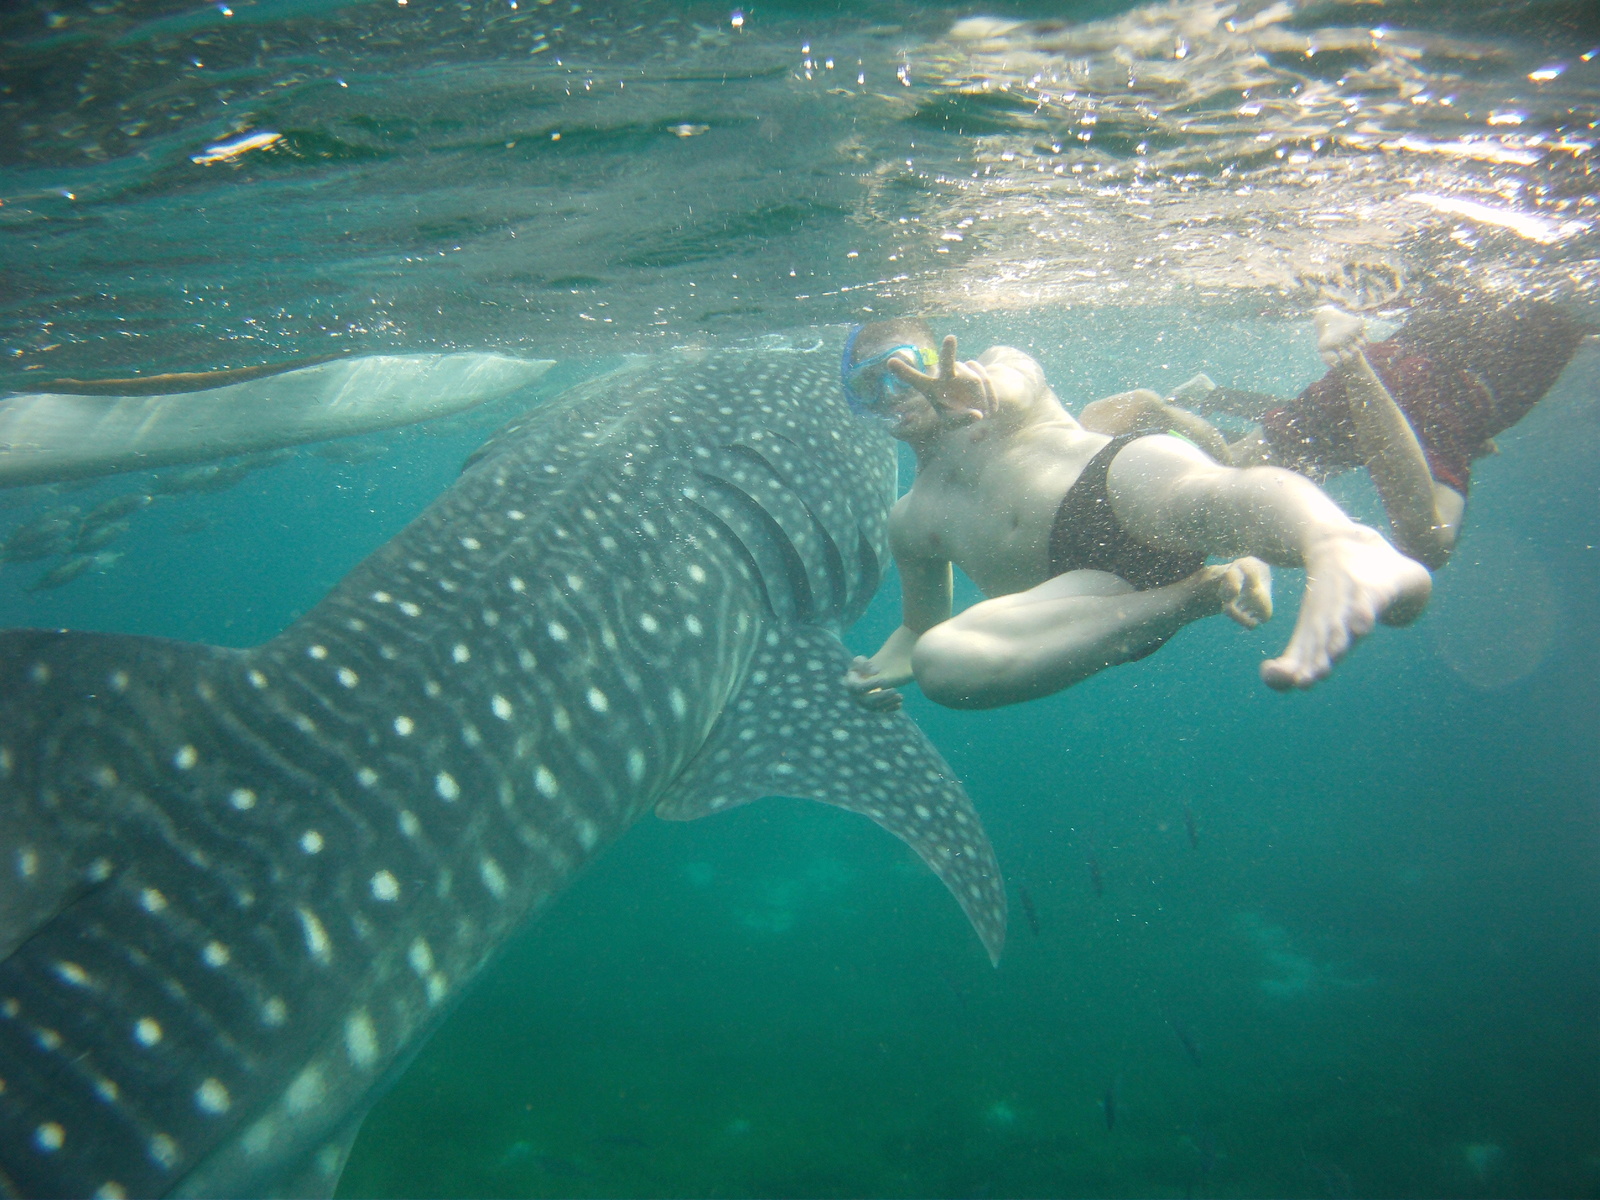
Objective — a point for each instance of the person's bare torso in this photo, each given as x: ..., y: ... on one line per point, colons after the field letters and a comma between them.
x: 988, y: 500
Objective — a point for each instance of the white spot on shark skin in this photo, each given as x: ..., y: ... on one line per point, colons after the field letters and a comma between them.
x: 493, y: 877
x: 516, y: 514
x: 274, y: 1012
x: 501, y: 707
x: 471, y: 543
x: 445, y: 784
x: 546, y: 783
x: 438, y: 987
x: 636, y: 764
x: 212, y: 1097
x: 105, y: 777
x: 215, y: 954
x: 588, y: 835
x: 517, y: 585
x: 111, y: 1190
x: 385, y: 886
x: 648, y: 623
x: 151, y: 900
x: 48, y: 1038
x: 597, y: 700
x: 317, y: 943
x: 360, y: 1039
x: 560, y: 719
x: 164, y: 1151
x: 118, y: 681
x: 382, y: 597
x: 305, y: 1092
x: 27, y: 862
x: 317, y: 652
x: 697, y: 573
x: 6, y: 760
x: 526, y: 660
x: 311, y: 842
x: 242, y: 798
x: 147, y: 1031
x: 366, y: 777
x: 575, y: 582
x: 410, y: 609
x: 40, y: 673
x: 557, y: 631
x: 348, y: 678
x: 257, y: 679
x: 71, y: 972
x: 49, y: 1137
x: 692, y: 624
x: 185, y: 758
x: 460, y: 653
x: 404, y: 726
x: 409, y: 825
x: 420, y: 956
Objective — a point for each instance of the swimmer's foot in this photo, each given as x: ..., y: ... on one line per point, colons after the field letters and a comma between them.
x: 1340, y: 335
x: 1354, y: 579
x: 1244, y: 588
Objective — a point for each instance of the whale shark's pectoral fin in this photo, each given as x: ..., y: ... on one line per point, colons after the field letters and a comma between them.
x: 793, y: 730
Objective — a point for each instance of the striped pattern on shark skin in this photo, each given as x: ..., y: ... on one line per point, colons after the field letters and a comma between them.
x: 240, y: 886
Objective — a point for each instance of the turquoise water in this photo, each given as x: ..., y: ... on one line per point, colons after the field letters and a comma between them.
x: 1341, y: 943
x: 1380, y: 943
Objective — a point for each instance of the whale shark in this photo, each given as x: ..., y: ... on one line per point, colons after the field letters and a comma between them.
x: 239, y: 887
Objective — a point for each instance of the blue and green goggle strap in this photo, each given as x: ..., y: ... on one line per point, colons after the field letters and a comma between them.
x: 927, y: 360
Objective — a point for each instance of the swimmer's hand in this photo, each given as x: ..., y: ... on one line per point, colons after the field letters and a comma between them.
x: 870, y: 689
x: 1244, y: 588
x: 1341, y: 336
x: 960, y: 391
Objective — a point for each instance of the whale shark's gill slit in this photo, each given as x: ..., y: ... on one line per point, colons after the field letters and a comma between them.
x: 765, y: 541
x: 767, y: 479
x: 743, y: 551
x: 871, y: 566
x: 832, y: 558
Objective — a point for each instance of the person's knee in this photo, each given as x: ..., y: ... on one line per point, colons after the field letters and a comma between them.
x: 959, y: 670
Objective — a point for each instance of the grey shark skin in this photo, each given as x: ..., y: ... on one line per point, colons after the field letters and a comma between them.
x: 238, y: 887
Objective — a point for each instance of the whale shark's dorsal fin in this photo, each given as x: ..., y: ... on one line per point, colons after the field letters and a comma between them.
x: 793, y: 730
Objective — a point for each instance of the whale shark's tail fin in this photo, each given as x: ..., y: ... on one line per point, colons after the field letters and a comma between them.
x: 793, y: 730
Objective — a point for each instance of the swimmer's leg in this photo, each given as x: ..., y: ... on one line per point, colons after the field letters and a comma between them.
x: 1425, y: 514
x: 1033, y: 643
x: 1170, y: 495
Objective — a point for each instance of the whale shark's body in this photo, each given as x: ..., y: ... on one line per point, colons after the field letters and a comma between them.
x: 238, y: 887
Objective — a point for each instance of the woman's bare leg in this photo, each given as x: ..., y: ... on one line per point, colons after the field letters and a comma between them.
x: 1033, y: 643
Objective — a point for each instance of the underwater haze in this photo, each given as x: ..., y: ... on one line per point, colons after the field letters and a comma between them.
x: 1333, y: 944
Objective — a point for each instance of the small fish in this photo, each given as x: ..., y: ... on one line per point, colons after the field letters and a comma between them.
x: 190, y: 479
x: 1185, y: 1038
x: 262, y: 459
x: 97, y: 537
x: 114, y: 509
x: 1190, y: 827
x: 62, y: 573
x: 1096, y: 879
x: 351, y: 453
x: 37, y: 545
x: 1028, y: 909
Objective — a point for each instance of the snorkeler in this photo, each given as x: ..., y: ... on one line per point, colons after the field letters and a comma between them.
x: 1091, y: 549
x: 1414, y: 409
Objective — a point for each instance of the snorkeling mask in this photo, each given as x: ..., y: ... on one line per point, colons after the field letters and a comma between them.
x: 864, y: 393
